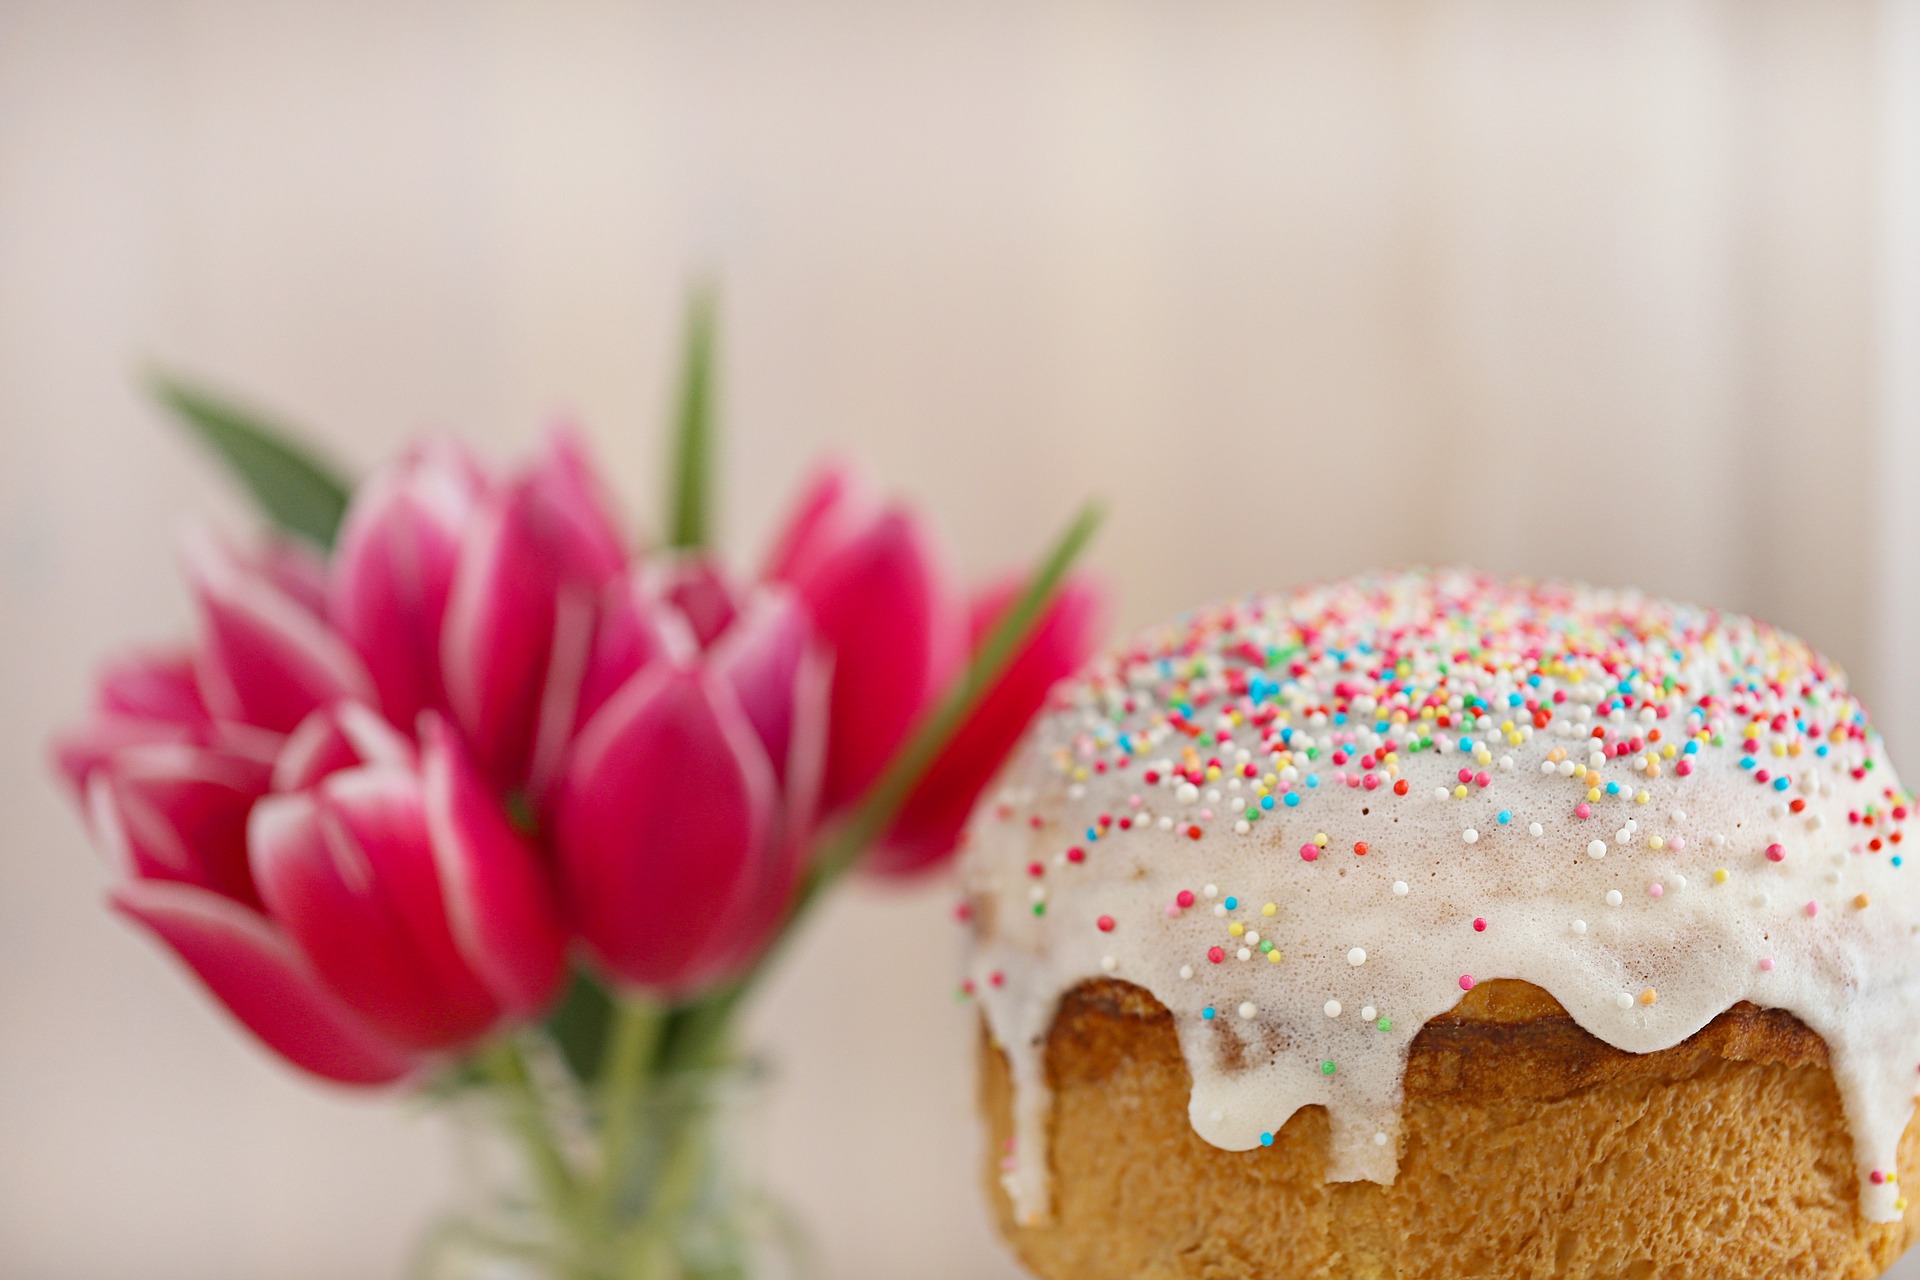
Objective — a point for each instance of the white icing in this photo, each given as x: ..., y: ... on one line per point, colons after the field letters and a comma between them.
x: 1592, y: 910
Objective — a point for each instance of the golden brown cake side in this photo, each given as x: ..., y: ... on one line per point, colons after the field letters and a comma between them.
x: 1530, y: 1149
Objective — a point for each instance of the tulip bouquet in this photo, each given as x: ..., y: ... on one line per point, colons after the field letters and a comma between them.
x: 457, y: 791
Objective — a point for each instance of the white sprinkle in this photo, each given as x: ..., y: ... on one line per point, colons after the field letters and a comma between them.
x: 1613, y: 898
x: 1579, y: 926
x: 1333, y: 1008
x: 1357, y: 956
x: 1400, y: 888
x: 1253, y: 939
x: 1245, y: 954
x: 1369, y: 1013
x: 1535, y: 829
x: 1213, y: 795
x: 1623, y: 1001
x: 1242, y: 827
x: 1623, y: 836
x: 1717, y: 840
x: 1247, y: 1010
x: 1186, y: 971
x: 1211, y: 891
x: 1546, y: 766
x: 1165, y: 824
x: 1379, y: 1139
x: 1679, y: 815
x: 1188, y: 793
x: 1440, y: 793
x: 1109, y: 964
x: 1597, y: 849
x: 1679, y: 881
x: 1470, y: 835
x: 1219, y: 908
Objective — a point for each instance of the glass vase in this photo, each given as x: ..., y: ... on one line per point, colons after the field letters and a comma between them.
x: 547, y: 1192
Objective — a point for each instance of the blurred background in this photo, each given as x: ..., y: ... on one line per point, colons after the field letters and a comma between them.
x: 1625, y: 291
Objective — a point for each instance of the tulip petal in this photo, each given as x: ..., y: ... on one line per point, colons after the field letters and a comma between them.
x: 151, y: 686
x: 882, y: 604
x: 929, y: 824
x: 499, y: 905
x: 268, y: 660
x: 393, y: 571
x: 347, y: 870
x: 254, y: 970
x: 697, y: 586
x: 836, y: 502
x: 173, y: 811
x: 782, y: 677
x: 341, y: 736
x: 662, y: 828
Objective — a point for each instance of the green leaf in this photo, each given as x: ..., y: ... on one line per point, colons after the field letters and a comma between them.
x: 689, y: 504
x: 299, y: 492
x: 580, y: 1025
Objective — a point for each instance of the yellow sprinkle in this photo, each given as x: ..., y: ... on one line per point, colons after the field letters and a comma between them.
x: 1506, y: 726
x: 1460, y: 792
x: 1593, y: 793
x: 1862, y: 901
x: 1273, y: 956
x: 1656, y: 843
x: 1720, y: 875
x: 1080, y: 775
x: 1269, y: 780
x: 1669, y: 751
x: 1579, y: 771
x: 1213, y: 773
x: 1236, y: 928
x: 1649, y: 996
x: 1426, y: 713
x: 1779, y: 748
x: 1391, y: 758
x: 1320, y: 838
x: 1901, y: 1204
x: 1641, y: 797
x: 1268, y: 910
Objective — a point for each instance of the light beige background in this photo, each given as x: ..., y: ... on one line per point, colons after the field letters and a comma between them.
x: 1625, y: 291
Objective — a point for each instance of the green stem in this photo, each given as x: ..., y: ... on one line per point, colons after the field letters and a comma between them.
x: 689, y: 499
x: 505, y: 1065
x: 636, y: 1030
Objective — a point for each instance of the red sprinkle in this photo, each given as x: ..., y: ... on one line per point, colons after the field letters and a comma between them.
x: 1400, y: 787
x: 1184, y: 898
x: 1076, y: 854
x: 1216, y: 954
x: 1479, y: 925
x: 1360, y: 847
x: 1105, y: 923
x: 1035, y: 870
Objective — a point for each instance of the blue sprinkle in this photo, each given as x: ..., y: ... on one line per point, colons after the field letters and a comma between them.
x: 1514, y: 700
x: 1533, y: 681
x: 1820, y: 750
x: 1232, y: 903
x: 1466, y: 744
x: 1266, y: 1139
x: 1896, y: 859
x: 1313, y: 779
x: 1207, y: 1013
x: 1693, y: 749
x: 1746, y: 762
x: 1339, y: 717
x: 1266, y: 802
x: 1093, y: 833
x: 1781, y: 783
x: 1381, y: 726
x: 1613, y: 788
x: 1293, y: 799
x: 1506, y: 816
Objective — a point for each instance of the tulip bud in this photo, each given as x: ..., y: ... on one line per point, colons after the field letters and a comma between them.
x: 665, y: 827
x: 520, y: 614
x: 878, y: 595
x: 175, y: 811
x: 393, y: 570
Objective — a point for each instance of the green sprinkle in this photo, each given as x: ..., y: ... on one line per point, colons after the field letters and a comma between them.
x: 1385, y: 1024
x: 1327, y: 1068
x: 1039, y: 908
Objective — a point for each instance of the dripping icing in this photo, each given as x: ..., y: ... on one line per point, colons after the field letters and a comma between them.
x: 1455, y: 818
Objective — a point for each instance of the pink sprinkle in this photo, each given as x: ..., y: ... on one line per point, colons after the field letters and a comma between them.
x: 1482, y: 778
x: 1308, y: 852
x: 1206, y: 815
x: 1184, y: 898
x: 1370, y: 781
x: 1679, y: 844
x: 1766, y: 964
x: 1466, y: 775
x: 1877, y: 1178
x: 1105, y: 923
x: 1466, y: 982
x: 1076, y: 854
x: 1684, y: 768
x: 1655, y: 889
x: 1583, y: 810
x: 1173, y: 912
x: 1776, y: 852
x: 1479, y: 925
x: 1813, y: 908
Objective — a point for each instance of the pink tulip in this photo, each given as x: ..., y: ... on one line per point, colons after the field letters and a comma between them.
x: 520, y: 618
x: 393, y: 570
x: 697, y: 586
x: 175, y: 811
x: 879, y: 597
x: 928, y: 826
x: 678, y: 837
x: 398, y: 914
x: 139, y: 698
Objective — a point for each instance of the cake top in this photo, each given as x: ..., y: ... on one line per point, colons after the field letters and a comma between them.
x: 1307, y: 821
x: 1342, y: 684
